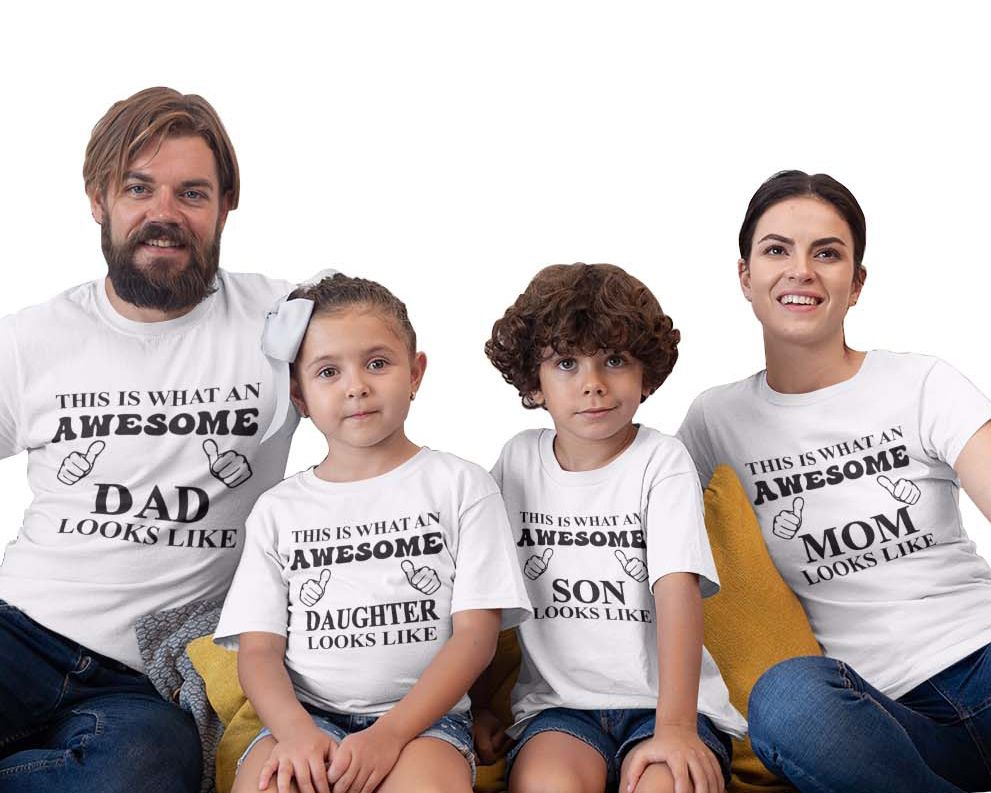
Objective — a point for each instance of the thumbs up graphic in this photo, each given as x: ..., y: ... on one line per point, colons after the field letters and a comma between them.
x: 229, y: 467
x: 422, y: 579
x: 904, y: 490
x: 76, y: 465
x: 789, y: 521
x: 313, y: 590
x: 535, y: 566
x: 633, y: 566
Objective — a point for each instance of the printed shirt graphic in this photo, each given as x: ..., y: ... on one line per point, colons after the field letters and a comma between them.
x: 143, y: 455
x: 591, y: 545
x: 363, y: 577
x: 857, y: 499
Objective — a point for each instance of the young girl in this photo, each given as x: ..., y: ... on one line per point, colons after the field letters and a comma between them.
x: 368, y: 597
x: 607, y: 519
x: 852, y: 461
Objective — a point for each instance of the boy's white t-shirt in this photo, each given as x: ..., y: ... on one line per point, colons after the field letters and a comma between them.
x: 363, y: 578
x: 143, y: 455
x: 857, y: 500
x: 592, y: 544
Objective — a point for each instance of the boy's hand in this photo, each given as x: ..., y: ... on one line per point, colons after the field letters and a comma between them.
x: 691, y: 762
x: 490, y: 738
x: 364, y: 759
x: 302, y: 757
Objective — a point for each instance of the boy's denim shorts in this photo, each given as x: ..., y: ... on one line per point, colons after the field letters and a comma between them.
x: 454, y: 728
x: 613, y: 733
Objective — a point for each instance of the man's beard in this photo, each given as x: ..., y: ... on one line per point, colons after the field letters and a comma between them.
x: 165, y: 287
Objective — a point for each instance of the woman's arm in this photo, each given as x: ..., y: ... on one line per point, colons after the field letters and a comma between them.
x: 974, y: 469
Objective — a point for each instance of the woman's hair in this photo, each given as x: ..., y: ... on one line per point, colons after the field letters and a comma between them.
x: 146, y: 119
x: 582, y: 309
x: 792, y: 184
x: 339, y: 292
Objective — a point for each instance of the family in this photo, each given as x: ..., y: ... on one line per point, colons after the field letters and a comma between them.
x: 366, y: 594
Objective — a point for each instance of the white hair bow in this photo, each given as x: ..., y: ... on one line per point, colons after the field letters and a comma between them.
x: 285, y: 326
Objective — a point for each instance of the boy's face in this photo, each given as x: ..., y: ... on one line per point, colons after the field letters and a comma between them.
x: 590, y: 397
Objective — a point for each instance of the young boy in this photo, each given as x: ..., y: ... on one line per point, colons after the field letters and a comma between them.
x: 608, y: 525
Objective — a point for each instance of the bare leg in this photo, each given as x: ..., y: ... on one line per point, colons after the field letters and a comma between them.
x: 428, y: 765
x: 555, y: 762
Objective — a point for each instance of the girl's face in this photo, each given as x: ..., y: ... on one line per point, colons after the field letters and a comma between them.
x: 354, y: 377
x: 800, y: 274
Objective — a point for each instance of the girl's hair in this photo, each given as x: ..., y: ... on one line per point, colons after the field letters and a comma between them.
x: 582, y: 309
x: 339, y: 292
x: 791, y: 184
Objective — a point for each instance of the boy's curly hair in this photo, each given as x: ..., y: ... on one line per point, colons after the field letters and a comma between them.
x: 581, y: 309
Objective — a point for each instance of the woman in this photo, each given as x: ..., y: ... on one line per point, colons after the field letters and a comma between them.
x: 853, y: 461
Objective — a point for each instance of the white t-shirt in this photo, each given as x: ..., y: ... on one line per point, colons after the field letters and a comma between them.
x: 591, y: 545
x: 143, y: 455
x: 856, y: 496
x: 362, y: 577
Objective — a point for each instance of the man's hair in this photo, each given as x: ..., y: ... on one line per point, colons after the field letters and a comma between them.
x: 340, y: 292
x: 146, y: 119
x: 582, y: 309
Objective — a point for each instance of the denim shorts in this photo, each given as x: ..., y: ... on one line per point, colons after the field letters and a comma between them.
x: 454, y: 728
x: 613, y: 733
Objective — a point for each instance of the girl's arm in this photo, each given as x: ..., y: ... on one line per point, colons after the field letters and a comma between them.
x: 365, y: 758
x: 302, y: 750
x: 973, y: 464
x: 678, y: 605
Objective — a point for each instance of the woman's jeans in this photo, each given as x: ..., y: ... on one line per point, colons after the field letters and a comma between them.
x: 72, y: 720
x: 817, y: 723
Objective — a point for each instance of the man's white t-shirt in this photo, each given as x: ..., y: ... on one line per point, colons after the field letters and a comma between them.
x: 363, y: 578
x: 857, y: 500
x: 143, y: 455
x: 592, y: 544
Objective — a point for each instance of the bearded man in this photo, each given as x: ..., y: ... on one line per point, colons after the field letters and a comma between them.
x: 140, y: 398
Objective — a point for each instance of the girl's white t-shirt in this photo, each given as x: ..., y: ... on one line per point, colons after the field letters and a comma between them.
x: 855, y: 492
x: 143, y: 455
x: 362, y: 578
x: 591, y: 545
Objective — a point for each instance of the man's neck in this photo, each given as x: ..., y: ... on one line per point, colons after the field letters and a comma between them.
x: 139, y: 313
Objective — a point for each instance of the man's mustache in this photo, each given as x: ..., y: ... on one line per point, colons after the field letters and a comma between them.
x: 169, y: 232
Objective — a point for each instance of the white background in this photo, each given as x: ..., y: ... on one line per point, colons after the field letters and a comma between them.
x: 450, y: 150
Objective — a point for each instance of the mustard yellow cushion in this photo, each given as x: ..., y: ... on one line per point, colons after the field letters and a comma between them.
x: 218, y: 668
x: 755, y: 620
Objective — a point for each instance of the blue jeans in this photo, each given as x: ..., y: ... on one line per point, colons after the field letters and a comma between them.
x: 817, y: 723
x: 73, y: 720
x: 613, y: 733
x: 452, y: 728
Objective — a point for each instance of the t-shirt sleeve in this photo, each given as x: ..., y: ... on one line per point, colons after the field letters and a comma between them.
x: 951, y: 410
x: 487, y: 575
x: 258, y: 599
x: 677, y: 541
x: 695, y: 435
x: 10, y: 391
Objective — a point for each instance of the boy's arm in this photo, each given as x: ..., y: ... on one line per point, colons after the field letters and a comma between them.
x: 365, y: 758
x: 303, y: 749
x: 678, y: 605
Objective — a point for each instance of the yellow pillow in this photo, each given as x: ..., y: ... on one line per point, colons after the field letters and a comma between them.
x: 755, y: 620
x: 218, y: 668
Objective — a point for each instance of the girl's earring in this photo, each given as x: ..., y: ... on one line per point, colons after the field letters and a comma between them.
x: 412, y: 395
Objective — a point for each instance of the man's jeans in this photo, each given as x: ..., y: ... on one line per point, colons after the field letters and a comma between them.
x: 817, y: 723
x: 72, y: 720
